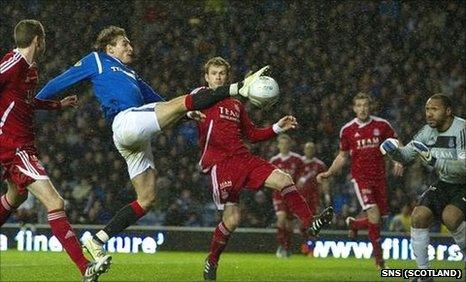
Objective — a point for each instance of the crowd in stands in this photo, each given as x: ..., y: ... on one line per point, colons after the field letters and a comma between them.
x: 322, y: 54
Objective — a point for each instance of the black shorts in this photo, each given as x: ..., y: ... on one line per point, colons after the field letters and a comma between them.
x: 441, y: 194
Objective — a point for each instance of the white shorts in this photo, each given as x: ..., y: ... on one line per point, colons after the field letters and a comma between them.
x: 132, y: 132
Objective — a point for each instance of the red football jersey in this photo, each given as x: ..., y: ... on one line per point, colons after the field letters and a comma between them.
x: 291, y: 163
x: 221, y: 133
x: 18, y: 81
x: 308, y: 185
x: 362, y: 140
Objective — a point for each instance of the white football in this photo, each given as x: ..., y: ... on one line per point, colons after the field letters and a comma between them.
x: 264, y: 92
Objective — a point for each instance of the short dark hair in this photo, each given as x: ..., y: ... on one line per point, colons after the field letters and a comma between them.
x: 108, y: 36
x: 446, y: 101
x: 26, y: 30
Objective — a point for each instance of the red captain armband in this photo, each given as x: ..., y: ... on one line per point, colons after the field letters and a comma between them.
x: 47, y: 104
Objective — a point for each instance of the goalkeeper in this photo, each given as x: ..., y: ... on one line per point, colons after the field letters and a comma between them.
x: 441, y: 145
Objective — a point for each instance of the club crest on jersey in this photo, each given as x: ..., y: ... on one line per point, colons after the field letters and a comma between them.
x: 376, y: 132
x: 451, y: 143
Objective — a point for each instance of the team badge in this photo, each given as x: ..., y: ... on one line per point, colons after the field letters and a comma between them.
x: 451, y: 143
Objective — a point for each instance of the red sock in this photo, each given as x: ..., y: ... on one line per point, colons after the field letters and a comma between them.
x: 297, y: 204
x: 62, y: 229
x: 219, y: 242
x: 360, y: 223
x: 374, y: 237
x: 188, y: 102
x: 5, y: 209
x: 281, y: 237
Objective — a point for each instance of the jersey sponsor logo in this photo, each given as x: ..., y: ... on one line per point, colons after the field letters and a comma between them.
x: 229, y: 114
x: 368, y: 143
x: 442, y: 142
x: 130, y: 74
x: 226, y: 184
x: 443, y: 154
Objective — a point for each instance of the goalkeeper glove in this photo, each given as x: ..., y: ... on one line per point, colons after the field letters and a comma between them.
x: 424, y: 153
x: 389, y: 146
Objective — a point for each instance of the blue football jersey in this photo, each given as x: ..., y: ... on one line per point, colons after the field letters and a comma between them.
x: 116, y: 86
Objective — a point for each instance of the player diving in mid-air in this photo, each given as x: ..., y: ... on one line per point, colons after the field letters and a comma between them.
x: 136, y: 113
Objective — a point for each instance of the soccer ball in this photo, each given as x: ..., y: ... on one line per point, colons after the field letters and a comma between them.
x: 264, y: 92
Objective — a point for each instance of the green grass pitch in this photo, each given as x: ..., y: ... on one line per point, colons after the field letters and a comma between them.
x: 184, y: 266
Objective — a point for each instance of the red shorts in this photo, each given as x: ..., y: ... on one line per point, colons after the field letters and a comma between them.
x: 230, y: 176
x: 21, y: 167
x: 371, y: 193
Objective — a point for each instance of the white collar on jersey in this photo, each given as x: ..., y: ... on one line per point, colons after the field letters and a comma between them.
x: 16, y: 50
x: 362, y: 124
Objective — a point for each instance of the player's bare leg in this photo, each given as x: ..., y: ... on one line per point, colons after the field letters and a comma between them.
x: 283, y: 182
x: 10, y: 201
x: 421, y: 219
x: 453, y: 218
x: 46, y: 193
x: 144, y: 185
x: 230, y: 220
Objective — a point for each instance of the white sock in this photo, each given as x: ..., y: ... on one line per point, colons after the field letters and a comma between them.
x: 102, y: 235
x: 420, y: 241
x: 460, y: 236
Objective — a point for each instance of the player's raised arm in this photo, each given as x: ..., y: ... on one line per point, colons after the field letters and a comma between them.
x: 82, y: 70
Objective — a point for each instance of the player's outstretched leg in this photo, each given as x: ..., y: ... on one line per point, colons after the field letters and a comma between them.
x: 324, y: 218
x: 96, y: 268
x: 209, y: 97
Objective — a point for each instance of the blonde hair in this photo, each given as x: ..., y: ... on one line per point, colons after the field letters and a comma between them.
x: 26, y: 30
x: 218, y: 62
x: 362, y: 96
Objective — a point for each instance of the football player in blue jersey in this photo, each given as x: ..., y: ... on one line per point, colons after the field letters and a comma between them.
x: 136, y: 112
